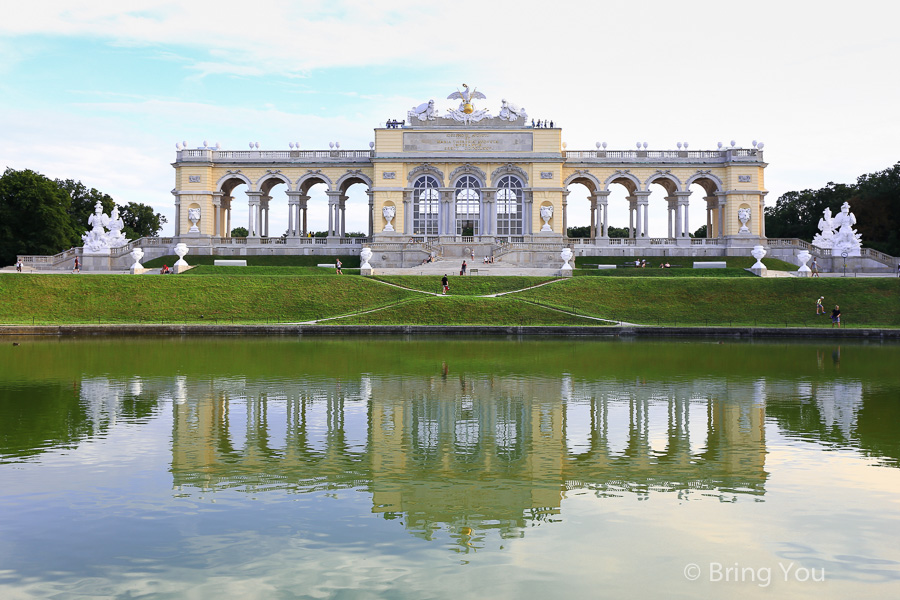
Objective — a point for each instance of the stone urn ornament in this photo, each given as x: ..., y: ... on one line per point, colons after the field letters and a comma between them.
x: 744, y: 217
x: 364, y: 255
x: 137, y: 254
x: 566, y: 255
x: 181, y: 250
x: 803, y: 256
x: 546, y: 215
x: 388, y: 212
x: 193, y: 217
x: 758, y: 268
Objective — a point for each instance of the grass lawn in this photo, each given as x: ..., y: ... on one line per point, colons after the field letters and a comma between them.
x: 464, y: 286
x: 350, y: 260
x: 273, y: 271
x: 755, y: 301
x: 462, y: 310
x: 66, y: 298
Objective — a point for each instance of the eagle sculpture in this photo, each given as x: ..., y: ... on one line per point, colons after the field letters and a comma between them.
x: 466, y: 97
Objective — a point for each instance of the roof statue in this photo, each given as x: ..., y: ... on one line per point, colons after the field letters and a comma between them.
x: 466, y: 112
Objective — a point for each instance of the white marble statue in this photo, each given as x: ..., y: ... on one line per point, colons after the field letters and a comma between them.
x: 424, y: 111
x: 758, y: 253
x: 115, y: 237
x: 388, y: 212
x: 364, y: 255
x: 566, y: 255
x: 837, y: 233
x: 546, y: 215
x: 193, y: 217
x: 96, y: 240
x: 181, y: 250
x: 743, y: 217
x: 511, y: 112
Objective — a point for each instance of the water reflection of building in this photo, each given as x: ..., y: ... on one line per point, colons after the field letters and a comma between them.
x: 471, y: 454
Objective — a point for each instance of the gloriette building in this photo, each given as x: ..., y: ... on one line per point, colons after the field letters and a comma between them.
x: 468, y: 179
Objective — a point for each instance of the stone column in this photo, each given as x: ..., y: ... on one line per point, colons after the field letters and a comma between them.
x: 762, y: 216
x: 407, y: 212
x: 447, y: 212
x: 343, y: 209
x: 632, y: 232
x: 674, y: 215
x: 371, y: 213
x: 264, y: 207
x: 601, y: 228
x: 711, y: 215
x: 334, y: 199
x: 683, y: 204
x: 217, y: 213
x: 643, y: 204
x: 565, y: 219
x: 303, y: 202
x: 592, y: 233
x: 528, y: 209
x: 722, y: 201
x: 489, y: 211
x: 253, y: 202
x: 294, y: 213
x: 177, y: 215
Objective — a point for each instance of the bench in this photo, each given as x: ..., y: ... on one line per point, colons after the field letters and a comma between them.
x: 606, y: 266
x: 230, y: 263
x: 473, y: 271
x: 711, y: 264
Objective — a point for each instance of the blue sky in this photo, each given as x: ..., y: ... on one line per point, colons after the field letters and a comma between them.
x: 101, y: 91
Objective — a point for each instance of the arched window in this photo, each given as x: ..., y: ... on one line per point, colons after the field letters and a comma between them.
x: 426, y: 200
x: 509, y: 206
x: 468, y: 205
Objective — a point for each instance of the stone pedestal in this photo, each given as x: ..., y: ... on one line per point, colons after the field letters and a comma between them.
x: 138, y: 270
x: 367, y: 272
x: 759, y: 271
x: 95, y: 261
x: 181, y: 268
x: 565, y: 272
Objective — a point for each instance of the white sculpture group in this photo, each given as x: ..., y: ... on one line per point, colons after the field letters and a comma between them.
x: 98, y: 240
x: 467, y: 113
x: 837, y: 233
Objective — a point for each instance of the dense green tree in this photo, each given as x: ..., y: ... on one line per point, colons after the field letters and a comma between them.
x: 617, y: 232
x: 239, y: 232
x: 579, y: 232
x: 34, y: 216
x: 140, y: 220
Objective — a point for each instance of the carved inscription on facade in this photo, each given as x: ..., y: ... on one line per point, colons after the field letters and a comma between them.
x: 466, y: 141
x: 193, y: 179
x: 389, y: 175
x: 744, y: 178
x: 546, y: 174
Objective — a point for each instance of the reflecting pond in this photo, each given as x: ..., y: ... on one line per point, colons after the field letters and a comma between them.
x: 438, y: 468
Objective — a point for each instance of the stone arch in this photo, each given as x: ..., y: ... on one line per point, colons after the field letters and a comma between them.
x: 270, y: 180
x: 666, y: 179
x: 352, y: 177
x: 705, y: 179
x: 231, y: 180
x: 509, y: 169
x: 312, y: 178
x: 425, y: 169
x: 625, y: 178
x: 585, y: 178
x: 468, y: 169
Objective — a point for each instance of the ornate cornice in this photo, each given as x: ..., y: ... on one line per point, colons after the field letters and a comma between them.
x: 426, y: 169
x: 468, y: 169
x: 510, y: 169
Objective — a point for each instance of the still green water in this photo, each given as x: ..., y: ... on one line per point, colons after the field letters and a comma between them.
x: 456, y: 468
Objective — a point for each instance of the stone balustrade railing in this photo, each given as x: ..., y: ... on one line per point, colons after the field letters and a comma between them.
x: 207, y: 155
x: 724, y: 155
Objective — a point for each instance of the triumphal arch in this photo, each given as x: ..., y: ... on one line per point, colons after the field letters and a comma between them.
x: 466, y: 179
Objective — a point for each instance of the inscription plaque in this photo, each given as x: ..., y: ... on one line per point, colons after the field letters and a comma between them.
x: 744, y: 178
x: 193, y: 179
x: 466, y: 141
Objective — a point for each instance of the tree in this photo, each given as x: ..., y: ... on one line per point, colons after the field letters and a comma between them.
x: 140, y: 220
x: 579, y: 232
x: 701, y: 232
x: 34, y: 216
x: 239, y: 232
x: 617, y: 232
